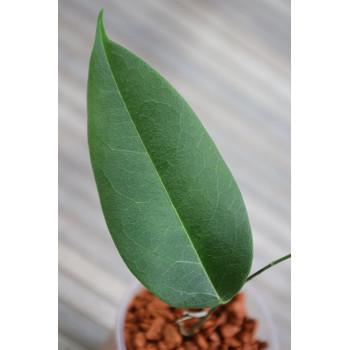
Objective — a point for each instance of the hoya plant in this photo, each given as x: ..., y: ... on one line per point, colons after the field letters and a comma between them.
x: 171, y: 204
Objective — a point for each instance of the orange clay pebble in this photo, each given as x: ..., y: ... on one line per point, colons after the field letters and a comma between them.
x: 153, y: 309
x: 247, y: 347
x: 232, y: 342
x: 250, y: 325
x: 160, y: 304
x: 214, y: 346
x: 158, y: 308
x: 162, y: 346
x: 167, y: 314
x: 200, y: 341
x: 132, y: 327
x: 209, y: 331
x: 151, y: 347
x: 172, y: 337
x: 245, y: 337
x: 190, y: 345
x: 228, y: 330
x: 238, y: 307
x: 254, y: 346
x: 130, y: 317
x: 207, y: 324
x: 214, y: 337
x: 140, y: 340
x: 144, y: 326
x: 222, y: 319
x: 142, y: 313
x: 155, y: 330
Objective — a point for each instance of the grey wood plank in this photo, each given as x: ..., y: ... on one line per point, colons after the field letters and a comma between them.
x: 85, y: 301
x: 79, y: 328
x: 65, y: 343
x: 102, y: 254
x: 94, y: 277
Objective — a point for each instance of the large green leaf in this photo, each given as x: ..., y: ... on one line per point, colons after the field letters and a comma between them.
x: 170, y: 202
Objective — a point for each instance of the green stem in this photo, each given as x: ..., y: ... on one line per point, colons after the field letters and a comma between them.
x: 203, y: 319
x: 268, y: 266
x: 200, y: 322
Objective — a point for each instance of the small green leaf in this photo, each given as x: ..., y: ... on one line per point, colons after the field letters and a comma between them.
x: 170, y: 202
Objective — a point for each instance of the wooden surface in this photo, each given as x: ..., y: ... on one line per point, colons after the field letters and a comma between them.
x: 231, y: 62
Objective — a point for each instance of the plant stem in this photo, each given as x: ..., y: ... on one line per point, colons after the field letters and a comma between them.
x: 268, y: 266
x: 200, y: 322
x: 203, y: 319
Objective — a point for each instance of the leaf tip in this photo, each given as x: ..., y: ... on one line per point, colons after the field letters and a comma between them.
x: 100, y: 26
x: 100, y: 16
x: 100, y: 19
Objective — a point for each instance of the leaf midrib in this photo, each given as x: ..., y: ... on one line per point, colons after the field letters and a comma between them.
x: 155, y: 168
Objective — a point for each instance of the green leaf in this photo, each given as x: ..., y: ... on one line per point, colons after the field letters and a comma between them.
x: 170, y: 202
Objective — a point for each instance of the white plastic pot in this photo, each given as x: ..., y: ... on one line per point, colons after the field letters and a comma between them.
x: 256, y: 309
